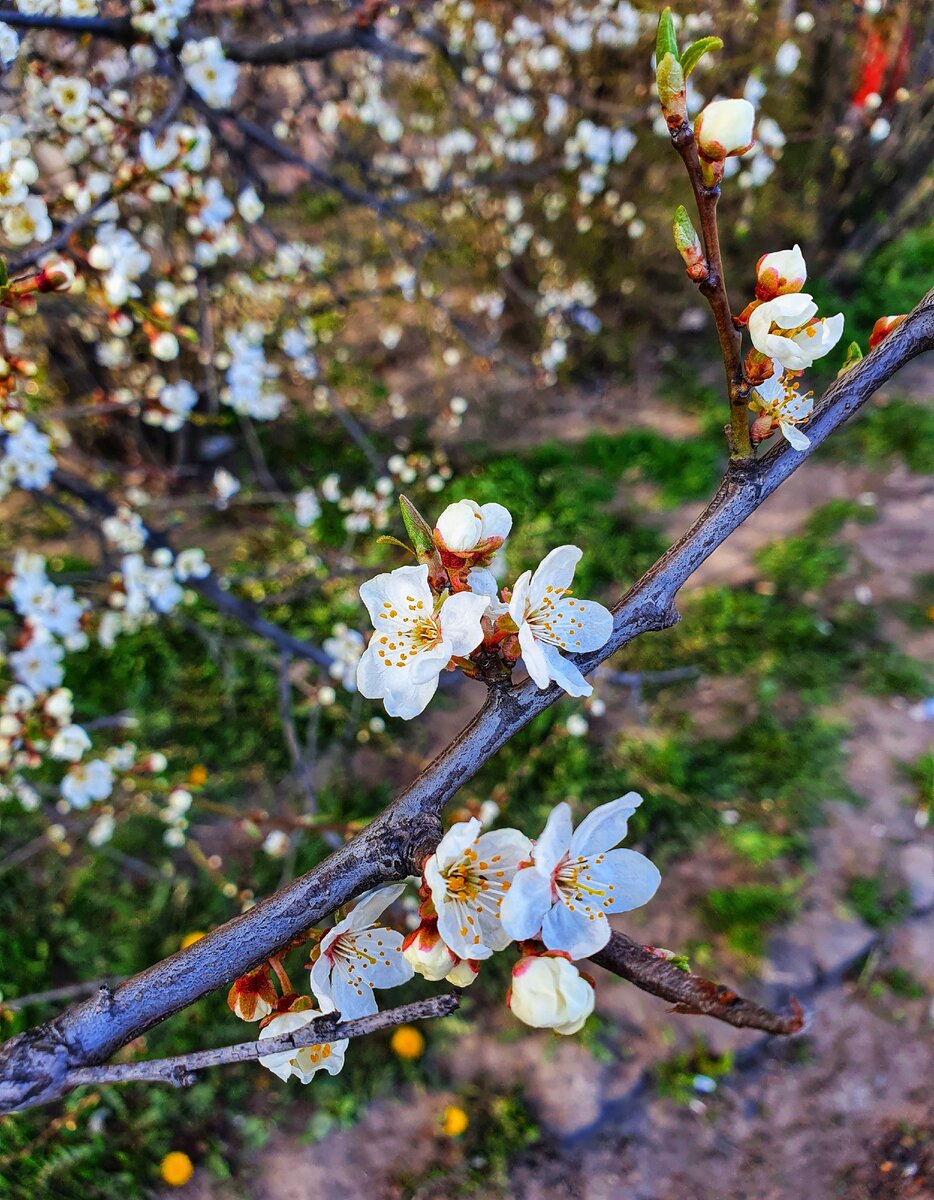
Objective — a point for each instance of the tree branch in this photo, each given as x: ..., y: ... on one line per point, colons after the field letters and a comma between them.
x: 179, y: 1070
x: 35, y: 1065
x: 690, y: 994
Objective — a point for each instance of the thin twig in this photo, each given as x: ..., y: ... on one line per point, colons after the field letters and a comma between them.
x: 180, y: 1069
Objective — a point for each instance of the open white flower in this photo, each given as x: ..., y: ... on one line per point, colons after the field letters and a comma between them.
x: 305, y: 1061
x: 27, y: 222
x: 469, y: 874
x: 87, y: 782
x: 465, y: 525
x: 413, y: 644
x: 780, y: 402
x: 785, y: 329
x: 70, y: 95
x: 548, y: 992
x: 780, y: 273
x: 357, y: 956
x: 70, y: 743
x: 551, y: 620
x: 577, y: 878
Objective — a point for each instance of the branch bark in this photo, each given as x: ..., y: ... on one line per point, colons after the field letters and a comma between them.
x: 690, y: 994
x: 180, y: 1070
x: 35, y: 1066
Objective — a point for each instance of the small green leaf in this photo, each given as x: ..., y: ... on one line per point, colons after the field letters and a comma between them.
x: 418, y: 529
x: 4, y: 276
x: 386, y: 540
x: 666, y: 41
x: 853, y: 355
x: 696, y: 51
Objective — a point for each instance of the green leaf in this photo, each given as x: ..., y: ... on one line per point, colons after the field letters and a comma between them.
x: 386, y: 540
x: 666, y: 42
x: 853, y: 355
x: 4, y: 276
x: 696, y: 51
x: 418, y: 529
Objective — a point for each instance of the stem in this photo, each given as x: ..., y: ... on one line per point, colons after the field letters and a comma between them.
x: 179, y: 1070
x: 713, y: 288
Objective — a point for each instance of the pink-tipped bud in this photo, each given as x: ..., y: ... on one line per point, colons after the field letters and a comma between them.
x: 56, y: 276
x: 724, y: 128
x: 883, y: 327
x: 427, y: 954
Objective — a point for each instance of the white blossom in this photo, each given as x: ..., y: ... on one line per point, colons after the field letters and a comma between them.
x: 209, y: 71
x: 413, y: 643
x: 550, y: 620
x: 785, y: 330
x: 87, y: 782
x: 305, y: 1061
x: 358, y: 955
x: 577, y: 878
x: 778, y: 399
x: 469, y: 874
x: 70, y: 743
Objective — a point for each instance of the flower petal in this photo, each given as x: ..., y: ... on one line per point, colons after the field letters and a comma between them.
x: 555, y: 840
x: 565, y: 674
x: 407, y: 699
x: 533, y: 655
x: 460, y: 621
x: 605, y: 827
x: 556, y: 570
x: 497, y: 521
x: 526, y: 904
x: 372, y: 905
x: 794, y: 436
x: 635, y: 879
x: 575, y: 931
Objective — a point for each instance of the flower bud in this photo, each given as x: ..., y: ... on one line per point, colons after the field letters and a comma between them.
x: 669, y: 77
x: 723, y: 128
x: 427, y: 954
x: 56, y: 276
x: 548, y: 992
x: 883, y: 327
x: 253, y: 996
x: 779, y: 273
x: 464, y: 973
x: 689, y: 245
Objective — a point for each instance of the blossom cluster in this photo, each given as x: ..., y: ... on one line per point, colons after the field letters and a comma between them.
x: 451, y: 611
x: 480, y: 892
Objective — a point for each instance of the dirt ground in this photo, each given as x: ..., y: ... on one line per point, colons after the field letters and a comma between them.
x: 845, y: 1110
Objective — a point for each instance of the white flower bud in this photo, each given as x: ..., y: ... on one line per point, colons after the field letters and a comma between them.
x: 723, y: 128
x: 428, y: 955
x: 548, y: 992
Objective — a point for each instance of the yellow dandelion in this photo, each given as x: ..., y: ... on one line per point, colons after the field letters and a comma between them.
x: 177, y: 1168
x: 453, y: 1121
x: 407, y: 1042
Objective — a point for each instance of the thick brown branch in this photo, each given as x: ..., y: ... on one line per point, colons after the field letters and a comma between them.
x: 690, y: 994
x: 34, y: 1066
x: 180, y: 1070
